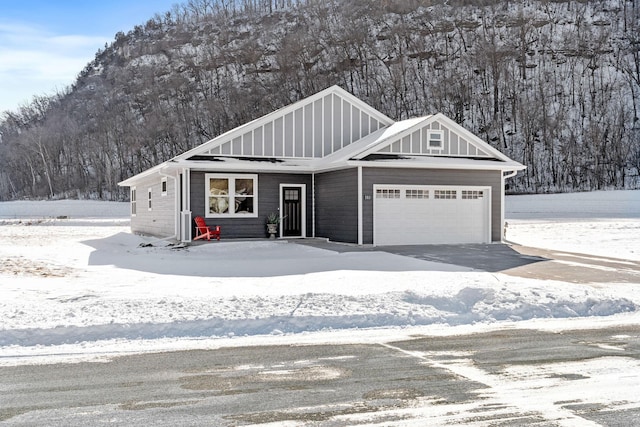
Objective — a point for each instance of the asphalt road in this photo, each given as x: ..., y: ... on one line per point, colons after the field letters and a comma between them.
x: 506, y: 377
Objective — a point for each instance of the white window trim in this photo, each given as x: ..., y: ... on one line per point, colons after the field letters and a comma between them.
x: 430, y: 140
x: 163, y: 187
x: 133, y: 200
x: 149, y: 199
x: 230, y: 177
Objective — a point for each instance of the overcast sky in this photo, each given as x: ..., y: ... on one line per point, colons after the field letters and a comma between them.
x: 44, y: 44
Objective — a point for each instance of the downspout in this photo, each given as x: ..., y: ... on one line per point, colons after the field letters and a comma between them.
x: 176, y: 230
x: 313, y: 205
x: 185, y: 203
x: 360, y: 208
x: 502, y: 200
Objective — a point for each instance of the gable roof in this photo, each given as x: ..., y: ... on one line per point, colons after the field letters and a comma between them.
x: 331, y: 130
x: 404, y: 144
x: 413, y: 141
x: 313, y: 127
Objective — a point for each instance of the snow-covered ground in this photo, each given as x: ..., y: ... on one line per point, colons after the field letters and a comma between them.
x: 76, y: 285
x: 601, y: 223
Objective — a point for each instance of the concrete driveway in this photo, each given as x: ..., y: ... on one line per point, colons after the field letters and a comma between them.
x: 522, y: 261
x: 511, y: 259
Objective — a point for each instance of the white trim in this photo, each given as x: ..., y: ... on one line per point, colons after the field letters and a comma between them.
x: 231, y: 196
x: 408, y: 126
x: 186, y: 189
x: 502, y: 200
x: 303, y: 209
x: 434, y: 163
x: 133, y: 200
x: 360, y: 208
x: 261, y: 121
x: 185, y: 215
x: 313, y: 205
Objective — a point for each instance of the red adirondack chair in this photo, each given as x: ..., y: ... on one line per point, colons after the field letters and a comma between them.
x: 203, y: 231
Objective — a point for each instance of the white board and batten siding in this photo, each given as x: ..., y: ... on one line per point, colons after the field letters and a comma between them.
x: 313, y: 129
x: 454, y: 144
x: 419, y: 214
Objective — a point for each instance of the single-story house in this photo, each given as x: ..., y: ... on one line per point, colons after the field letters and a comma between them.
x: 331, y: 166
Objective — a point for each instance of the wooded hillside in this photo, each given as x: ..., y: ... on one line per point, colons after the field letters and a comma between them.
x: 553, y: 84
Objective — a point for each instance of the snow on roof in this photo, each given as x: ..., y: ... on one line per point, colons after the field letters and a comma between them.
x: 370, y: 141
x: 356, y: 153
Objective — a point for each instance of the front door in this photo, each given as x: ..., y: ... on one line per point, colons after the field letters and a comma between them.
x: 292, y: 202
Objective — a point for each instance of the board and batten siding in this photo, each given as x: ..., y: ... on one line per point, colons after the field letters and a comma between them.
x: 454, y: 143
x: 313, y: 130
x: 337, y: 205
x: 268, y: 201
x: 160, y: 220
x: 371, y: 176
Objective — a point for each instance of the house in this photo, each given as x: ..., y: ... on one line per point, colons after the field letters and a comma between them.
x: 332, y: 167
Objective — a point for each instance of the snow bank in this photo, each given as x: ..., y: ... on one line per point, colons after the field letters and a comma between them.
x: 90, y: 287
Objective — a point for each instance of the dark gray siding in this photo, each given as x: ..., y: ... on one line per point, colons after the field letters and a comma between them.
x: 372, y: 176
x: 268, y: 201
x: 337, y: 205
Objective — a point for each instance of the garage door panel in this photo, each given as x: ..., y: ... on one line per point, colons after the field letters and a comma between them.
x: 404, y: 221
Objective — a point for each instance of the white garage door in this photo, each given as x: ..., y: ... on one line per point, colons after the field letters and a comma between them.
x: 414, y: 215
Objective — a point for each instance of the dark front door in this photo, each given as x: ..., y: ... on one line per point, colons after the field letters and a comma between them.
x: 292, y: 211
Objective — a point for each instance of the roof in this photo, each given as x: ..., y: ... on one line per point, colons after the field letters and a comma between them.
x: 332, y: 130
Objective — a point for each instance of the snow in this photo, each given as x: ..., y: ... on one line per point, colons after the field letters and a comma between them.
x: 76, y: 285
x: 602, y: 223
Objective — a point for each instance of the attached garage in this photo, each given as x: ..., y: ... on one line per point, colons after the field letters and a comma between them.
x: 418, y: 214
x: 331, y: 166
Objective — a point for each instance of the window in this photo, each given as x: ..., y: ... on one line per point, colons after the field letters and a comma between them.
x: 149, y: 199
x: 163, y: 187
x: 133, y: 201
x: 472, y: 194
x: 445, y: 194
x: 417, y: 194
x: 231, y: 195
x: 435, y: 139
x: 385, y: 193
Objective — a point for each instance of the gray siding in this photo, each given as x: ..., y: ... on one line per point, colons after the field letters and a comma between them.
x: 337, y: 205
x: 268, y: 201
x: 316, y: 128
x: 371, y: 176
x: 160, y: 220
x: 454, y: 143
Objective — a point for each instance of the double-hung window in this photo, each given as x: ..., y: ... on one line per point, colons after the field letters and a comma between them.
x: 436, y: 139
x: 231, y: 195
x: 133, y: 201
